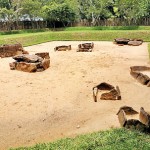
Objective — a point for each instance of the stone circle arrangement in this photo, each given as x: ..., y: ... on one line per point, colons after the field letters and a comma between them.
x: 31, y: 63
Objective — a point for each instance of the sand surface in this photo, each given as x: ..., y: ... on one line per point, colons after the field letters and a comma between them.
x: 56, y: 103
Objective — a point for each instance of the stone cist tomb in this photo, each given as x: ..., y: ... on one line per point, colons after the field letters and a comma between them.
x: 31, y: 63
x: 143, y: 124
x: 85, y: 47
x: 11, y: 50
x: 125, y: 41
x: 110, y: 92
x: 62, y: 48
x: 139, y: 73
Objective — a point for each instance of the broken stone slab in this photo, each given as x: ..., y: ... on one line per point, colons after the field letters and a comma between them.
x: 104, y: 86
x: 27, y: 58
x: 139, y: 68
x: 114, y: 94
x: 11, y: 50
x: 44, y: 55
x: 134, y: 74
x: 144, y: 117
x: 128, y: 110
x: 122, y: 41
x: 23, y: 66
x: 143, y: 79
x: 135, y: 43
x: 46, y: 63
x: 62, y: 48
x: 122, y: 118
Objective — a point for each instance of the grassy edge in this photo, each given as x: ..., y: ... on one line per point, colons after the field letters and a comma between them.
x: 113, y: 139
x: 37, y: 38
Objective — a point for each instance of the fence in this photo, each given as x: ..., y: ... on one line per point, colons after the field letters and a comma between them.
x: 7, y: 26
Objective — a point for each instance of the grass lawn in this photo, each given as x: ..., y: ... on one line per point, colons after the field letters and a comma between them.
x: 85, y: 35
x: 114, y: 139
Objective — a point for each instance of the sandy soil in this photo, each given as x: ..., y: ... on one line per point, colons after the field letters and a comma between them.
x: 56, y: 103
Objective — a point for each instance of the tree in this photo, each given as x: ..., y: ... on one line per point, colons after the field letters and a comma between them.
x: 10, y: 11
x: 56, y: 12
x: 131, y: 9
x: 94, y: 10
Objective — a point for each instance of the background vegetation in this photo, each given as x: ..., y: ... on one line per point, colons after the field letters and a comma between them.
x: 67, y: 12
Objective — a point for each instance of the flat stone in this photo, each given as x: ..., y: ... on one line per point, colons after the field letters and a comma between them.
x: 128, y: 110
x: 144, y: 117
x: 43, y: 55
x: 143, y: 79
x: 62, y: 48
x: 139, y: 68
x: 122, y: 118
x: 122, y: 41
x: 28, y: 58
x: 105, y: 86
x: 26, y: 67
x: 46, y: 63
x: 112, y: 95
x: 134, y: 74
x: 135, y: 43
x: 11, y: 50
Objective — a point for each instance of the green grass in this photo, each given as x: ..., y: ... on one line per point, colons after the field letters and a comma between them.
x: 77, y: 29
x: 107, y: 28
x: 114, y: 139
x: 92, y: 35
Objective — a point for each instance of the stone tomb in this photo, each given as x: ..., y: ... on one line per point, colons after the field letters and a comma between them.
x: 125, y: 41
x: 110, y: 92
x: 85, y: 47
x: 62, y: 48
x: 137, y: 72
x: 31, y: 63
x: 124, y: 117
x: 11, y: 50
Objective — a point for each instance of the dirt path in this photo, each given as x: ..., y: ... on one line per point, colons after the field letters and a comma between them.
x: 45, y: 106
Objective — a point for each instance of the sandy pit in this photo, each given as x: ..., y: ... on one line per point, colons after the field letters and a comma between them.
x: 45, y: 106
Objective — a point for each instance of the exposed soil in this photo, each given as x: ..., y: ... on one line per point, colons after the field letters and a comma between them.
x: 56, y: 103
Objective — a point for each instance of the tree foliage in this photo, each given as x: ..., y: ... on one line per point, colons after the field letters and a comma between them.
x: 67, y: 11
